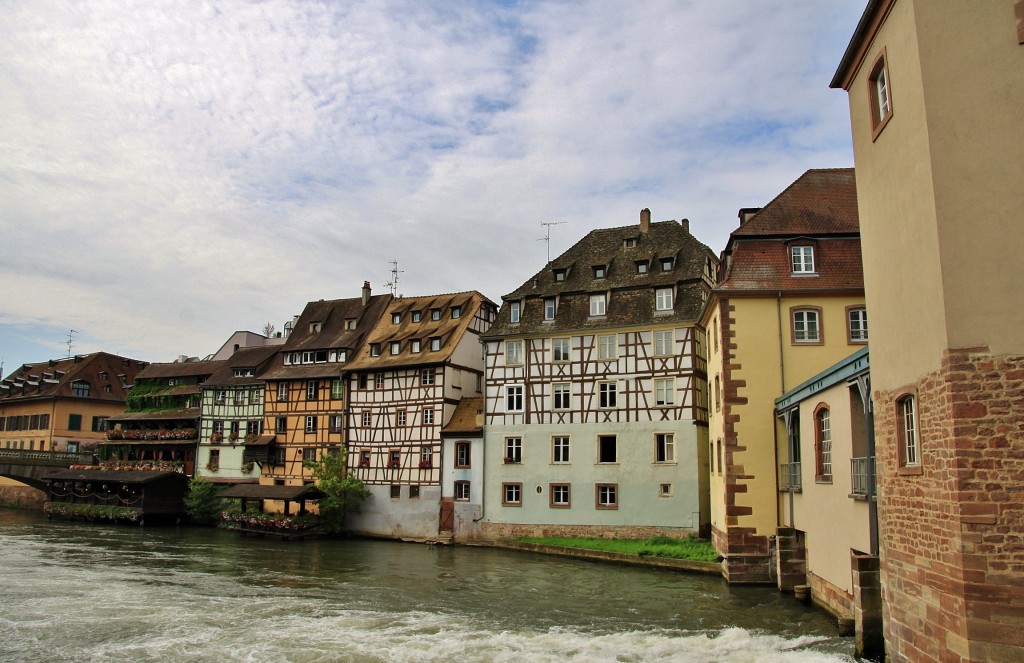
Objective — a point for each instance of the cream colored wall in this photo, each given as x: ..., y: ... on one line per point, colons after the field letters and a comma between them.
x: 832, y: 522
x: 716, y: 429
x: 757, y: 329
x: 930, y: 173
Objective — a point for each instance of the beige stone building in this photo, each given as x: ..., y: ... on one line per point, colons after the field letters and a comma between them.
x: 936, y: 92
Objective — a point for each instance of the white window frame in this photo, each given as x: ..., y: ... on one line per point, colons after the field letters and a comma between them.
x: 513, y: 353
x: 396, y: 347
x: 804, y: 330
x: 462, y: 491
x: 857, y: 324
x: 428, y: 416
x: 550, y: 308
x: 664, y: 448
x: 608, y: 347
x: 311, y: 423
x: 802, y: 259
x: 664, y: 340
x: 561, y: 495
x: 606, y: 496
x: 415, y: 346
x: 664, y: 392
x: 909, y: 438
x: 598, y: 305
x: 560, y: 449
x: 514, y: 449
x: 513, y: 312
x: 512, y: 494
x: 663, y: 299
x: 515, y: 397
x: 427, y: 376
x: 561, y: 350
x: 608, y: 394
x: 561, y: 395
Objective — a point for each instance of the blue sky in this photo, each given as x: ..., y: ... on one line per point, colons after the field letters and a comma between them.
x: 174, y: 171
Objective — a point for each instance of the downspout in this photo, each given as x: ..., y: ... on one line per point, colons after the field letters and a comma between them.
x: 782, y: 360
x: 872, y: 496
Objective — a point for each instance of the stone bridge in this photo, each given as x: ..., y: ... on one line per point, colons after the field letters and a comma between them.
x: 29, y: 467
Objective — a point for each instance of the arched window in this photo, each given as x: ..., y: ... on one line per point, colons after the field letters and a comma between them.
x: 906, y: 430
x: 823, y: 443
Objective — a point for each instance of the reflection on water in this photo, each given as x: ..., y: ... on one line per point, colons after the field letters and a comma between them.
x: 76, y: 592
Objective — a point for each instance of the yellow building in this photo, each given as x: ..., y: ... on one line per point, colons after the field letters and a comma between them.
x: 936, y: 93
x: 788, y: 304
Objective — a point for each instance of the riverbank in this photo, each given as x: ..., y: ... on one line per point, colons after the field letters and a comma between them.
x: 665, y: 563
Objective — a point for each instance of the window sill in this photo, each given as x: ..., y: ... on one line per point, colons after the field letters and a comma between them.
x: 860, y: 497
x: 666, y: 462
x: 803, y: 274
x: 909, y: 470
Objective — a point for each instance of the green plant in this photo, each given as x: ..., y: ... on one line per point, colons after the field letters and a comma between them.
x: 201, y: 503
x: 343, y: 492
x: 90, y: 511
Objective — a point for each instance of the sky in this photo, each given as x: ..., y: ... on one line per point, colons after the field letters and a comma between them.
x: 174, y: 171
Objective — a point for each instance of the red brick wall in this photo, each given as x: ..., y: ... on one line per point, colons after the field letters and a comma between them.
x: 952, y: 536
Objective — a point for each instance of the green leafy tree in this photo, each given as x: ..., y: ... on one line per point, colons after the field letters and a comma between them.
x: 343, y: 492
x: 201, y: 503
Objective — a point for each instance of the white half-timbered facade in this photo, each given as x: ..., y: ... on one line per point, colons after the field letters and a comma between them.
x: 417, y: 364
x: 595, y: 399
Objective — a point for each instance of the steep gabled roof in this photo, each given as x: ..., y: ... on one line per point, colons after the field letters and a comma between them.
x: 54, y: 378
x: 185, y: 369
x: 820, y: 202
x: 256, y: 358
x: 467, y: 418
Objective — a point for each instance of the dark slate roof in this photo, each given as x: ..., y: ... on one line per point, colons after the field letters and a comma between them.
x: 466, y: 419
x: 113, y: 476
x: 257, y: 358
x: 255, y: 491
x: 631, y: 299
x: 185, y: 369
x: 53, y: 379
x: 820, y: 202
x: 331, y: 315
x: 764, y: 264
x: 450, y: 330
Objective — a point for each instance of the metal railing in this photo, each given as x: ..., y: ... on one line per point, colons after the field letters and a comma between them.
x: 789, y: 477
x: 861, y: 469
x: 54, y: 458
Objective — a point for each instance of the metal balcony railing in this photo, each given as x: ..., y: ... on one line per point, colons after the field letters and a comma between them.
x: 789, y: 477
x: 861, y: 469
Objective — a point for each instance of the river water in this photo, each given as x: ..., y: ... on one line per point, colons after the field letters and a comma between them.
x: 84, y: 592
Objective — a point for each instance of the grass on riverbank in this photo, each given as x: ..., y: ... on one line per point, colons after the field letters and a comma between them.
x: 697, y: 550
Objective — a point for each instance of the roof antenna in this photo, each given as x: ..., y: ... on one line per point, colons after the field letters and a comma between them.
x: 393, y: 283
x: 71, y: 333
x: 547, y: 235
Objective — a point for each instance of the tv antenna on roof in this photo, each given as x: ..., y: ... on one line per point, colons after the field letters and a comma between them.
x: 71, y: 333
x: 547, y: 234
x: 393, y: 283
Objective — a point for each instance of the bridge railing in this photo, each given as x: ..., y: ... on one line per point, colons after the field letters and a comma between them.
x: 54, y: 458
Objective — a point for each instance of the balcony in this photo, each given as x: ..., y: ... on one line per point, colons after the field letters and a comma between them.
x: 861, y: 471
x: 789, y: 477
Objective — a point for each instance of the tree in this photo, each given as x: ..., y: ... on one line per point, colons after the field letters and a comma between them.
x: 201, y: 503
x: 343, y: 492
x: 268, y: 330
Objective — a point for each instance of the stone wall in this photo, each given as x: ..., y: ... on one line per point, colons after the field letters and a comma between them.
x: 952, y: 530
x: 496, y: 531
x: 22, y: 497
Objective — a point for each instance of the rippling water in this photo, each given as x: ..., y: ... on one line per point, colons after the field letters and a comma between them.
x: 76, y: 592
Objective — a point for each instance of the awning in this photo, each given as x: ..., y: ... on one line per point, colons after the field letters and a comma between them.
x: 262, y: 441
x: 256, y: 492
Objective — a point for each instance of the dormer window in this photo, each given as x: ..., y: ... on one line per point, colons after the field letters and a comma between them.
x: 244, y: 372
x: 80, y: 389
x: 641, y: 266
x: 597, y: 305
x: 171, y: 382
x: 415, y: 346
x: 435, y: 314
x: 350, y: 324
x: 374, y: 349
x: 435, y: 343
x: 666, y: 264
x: 396, y: 347
x: 396, y: 318
x: 599, y: 271
x: 103, y: 375
x: 559, y: 275
x: 663, y: 299
x: 314, y: 327
x: 802, y: 259
x: 549, y: 308
x: 629, y: 242
x: 456, y: 312
x: 513, y: 311
x: 417, y: 316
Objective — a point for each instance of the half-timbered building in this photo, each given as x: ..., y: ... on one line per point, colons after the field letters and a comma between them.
x: 595, y: 409
x: 232, y: 417
x: 423, y: 357
x: 305, y: 398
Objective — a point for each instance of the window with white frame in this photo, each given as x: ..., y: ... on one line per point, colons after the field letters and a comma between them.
x: 560, y: 396
x: 365, y: 418
x: 663, y: 299
x: 335, y: 423
x: 427, y: 376
x: 513, y: 353
x: 378, y: 380
x: 417, y: 316
x: 559, y: 493
x: 461, y: 491
x: 312, y: 390
x: 374, y: 349
x: 426, y: 457
x: 513, y: 449
x: 560, y: 449
x: 396, y: 318
x: 664, y: 391
x: 607, y: 346
x: 666, y: 264
x: 337, y: 388
x: 599, y: 271
x: 311, y: 423
x: 910, y: 451
x: 512, y: 494
x: 549, y: 308
x: 607, y: 496
x: 428, y: 416
x: 400, y: 418
x: 806, y: 325
x: 664, y: 448
x: 514, y: 398
x: 513, y: 311
x: 881, y: 98
x: 802, y: 258
x: 218, y: 426
x: 560, y: 349
x: 415, y: 346
x: 607, y: 394
x: 597, y: 304
x: 462, y: 454
x: 823, y: 444
x: 663, y: 342
x: 396, y: 347
x: 435, y: 343
x: 435, y: 314
x: 857, y: 327
x: 641, y: 267
x: 220, y: 396
x: 456, y: 312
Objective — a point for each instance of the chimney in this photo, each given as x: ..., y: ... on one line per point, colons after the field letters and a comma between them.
x: 366, y: 293
x: 746, y: 213
x: 645, y: 220
x: 685, y: 223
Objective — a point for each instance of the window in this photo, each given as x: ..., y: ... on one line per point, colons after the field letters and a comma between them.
x: 806, y: 326
x: 394, y: 459
x: 607, y: 394
x: 599, y: 271
x: 560, y: 449
x: 337, y: 389
x: 857, y: 325
x: 514, y: 398
x: 513, y: 311
x: 374, y: 349
x: 236, y: 430
x: 559, y: 495
x: 607, y: 496
x: 428, y: 417
x: 417, y: 316
x: 426, y: 457
x: 607, y: 449
x: 560, y: 349
x: 365, y: 419
x: 462, y: 454
x: 881, y: 98
x: 513, y: 353
x: 435, y: 314
x: 99, y: 424
x: 512, y: 494
x: 400, y: 418
x: 461, y: 491
x: 663, y: 299
x: 257, y: 395
x: 629, y: 242
x: 281, y: 425
x: 312, y: 390
x: 910, y: 451
x: 559, y: 275
x: 664, y: 391
x: 802, y: 258
x: 79, y: 388
x: 334, y: 423
x: 597, y: 305
x: 214, y: 462
x: 396, y: 347
x: 435, y: 343
x: 665, y: 490
x: 414, y: 492
x: 220, y: 396
x: 666, y: 264
x: 314, y: 327
x: 560, y: 396
x: 718, y: 450
x: 641, y: 266
x: 549, y: 308
x: 415, y: 346
x: 663, y: 343
x: 364, y: 458
x: 456, y: 312
x: 823, y: 444
x: 396, y: 491
x: 311, y: 423
x: 350, y: 324
x: 309, y: 454
x: 378, y: 380
x: 254, y: 427
x: 513, y: 449
x: 362, y: 381
x: 396, y: 318
x: 664, y: 448
x: 427, y: 376
x: 74, y: 422
x: 607, y: 346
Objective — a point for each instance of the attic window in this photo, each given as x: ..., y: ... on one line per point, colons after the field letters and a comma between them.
x: 559, y: 275
x: 666, y: 264
x: 396, y: 347
x: 375, y: 349
x: 417, y: 316
x: 435, y: 314
x: 80, y: 389
x: 641, y: 266
x: 396, y: 318
x: 456, y: 312
x: 314, y: 327
x: 629, y: 242
x: 171, y: 382
x: 103, y: 375
x: 599, y: 271
x: 244, y: 372
x: 350, y: 324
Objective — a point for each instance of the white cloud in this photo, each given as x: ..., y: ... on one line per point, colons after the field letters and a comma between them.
x: 174, y: 171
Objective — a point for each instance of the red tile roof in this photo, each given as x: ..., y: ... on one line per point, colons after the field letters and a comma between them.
x: 819, y: 202
x: 764, y: 265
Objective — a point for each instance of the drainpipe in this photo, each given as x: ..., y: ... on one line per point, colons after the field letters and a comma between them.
x: 869, y: 411
x: 782, y: 360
